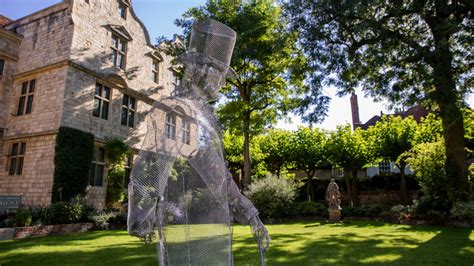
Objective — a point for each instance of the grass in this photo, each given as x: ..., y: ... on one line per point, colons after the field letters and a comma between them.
x: 303, y: 243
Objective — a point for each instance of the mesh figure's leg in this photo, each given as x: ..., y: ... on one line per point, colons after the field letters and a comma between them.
x: 148, y: 182
x: 212, y: 168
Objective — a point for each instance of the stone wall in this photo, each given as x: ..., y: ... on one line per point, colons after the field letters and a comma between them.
x: 47, y: 36
x: 47, y: 103
x: 9, y: 49
x: 93, y: 38
x: 35, y: 183
x: 48, y: 230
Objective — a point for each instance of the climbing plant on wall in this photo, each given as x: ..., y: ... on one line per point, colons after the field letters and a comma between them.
x: 72, y: 160
x: 116, y: 152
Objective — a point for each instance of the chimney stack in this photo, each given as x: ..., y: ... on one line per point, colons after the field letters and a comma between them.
x: 355, y: 111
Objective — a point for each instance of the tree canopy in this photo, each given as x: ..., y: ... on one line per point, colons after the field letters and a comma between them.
x: 405, y: 51
x: 393, y: 139
x: 267, y: 61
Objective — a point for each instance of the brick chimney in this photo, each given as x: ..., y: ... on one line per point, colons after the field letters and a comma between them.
x: 355, y: 111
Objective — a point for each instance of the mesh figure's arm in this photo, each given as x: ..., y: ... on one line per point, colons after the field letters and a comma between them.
x: 242, y: 208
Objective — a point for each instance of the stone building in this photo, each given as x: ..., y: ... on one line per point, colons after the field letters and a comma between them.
x: 84, y: 64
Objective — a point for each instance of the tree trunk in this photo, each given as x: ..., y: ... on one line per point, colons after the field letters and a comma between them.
x: 446, y: 96
x: 403, y: 185
x: 355, y: 180
x: 247, y: 171
x: 309, y: 189
x: 347, y: 179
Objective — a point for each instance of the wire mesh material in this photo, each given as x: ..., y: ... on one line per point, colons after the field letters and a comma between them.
x: 180, y: 188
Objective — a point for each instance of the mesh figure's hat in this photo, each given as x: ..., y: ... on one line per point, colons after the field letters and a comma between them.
x: 211, y: 42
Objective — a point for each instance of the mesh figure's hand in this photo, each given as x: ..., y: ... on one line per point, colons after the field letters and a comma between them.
x: 260, y: 233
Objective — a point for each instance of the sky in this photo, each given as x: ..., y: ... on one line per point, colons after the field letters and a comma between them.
x: 159, y: 15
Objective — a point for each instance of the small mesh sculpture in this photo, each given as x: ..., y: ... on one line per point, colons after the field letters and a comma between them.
x: 180, y: 185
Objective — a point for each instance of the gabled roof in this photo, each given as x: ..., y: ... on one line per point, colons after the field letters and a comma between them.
x: 120, y: 31
x: 4, y: 20
x: 416, y: 111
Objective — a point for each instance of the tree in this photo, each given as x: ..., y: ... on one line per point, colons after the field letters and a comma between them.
x: 406, y: 51
x: 276, y: 148
x: 308, y: 151
x: 264, y: 58
x: 393, y: 140
x: 351, y: 151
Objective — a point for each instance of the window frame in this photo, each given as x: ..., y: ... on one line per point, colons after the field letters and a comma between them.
x: 16, y: 159
x: 2, y: 66
x: 385, y: 167
x: 129, y: 110
x: 123, y: 10
x: 95, y: 165
x: 176, y: 82
x: 170, y: 126
x: 25, y: 101
x: 117, y: 50
x: 102, y: 98
x: 185, y: 132
x: 155, y: 69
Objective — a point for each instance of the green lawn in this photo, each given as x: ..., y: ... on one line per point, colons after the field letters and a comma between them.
x: 302, y: 243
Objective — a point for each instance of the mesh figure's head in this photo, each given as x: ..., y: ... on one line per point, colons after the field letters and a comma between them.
x: 207, y: 61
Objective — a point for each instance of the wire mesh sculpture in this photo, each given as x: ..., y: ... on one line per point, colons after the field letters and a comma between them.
x: 180, y: 184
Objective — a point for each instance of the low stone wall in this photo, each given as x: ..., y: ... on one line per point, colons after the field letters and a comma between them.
x: 47, y: 230
x: 388, y: 197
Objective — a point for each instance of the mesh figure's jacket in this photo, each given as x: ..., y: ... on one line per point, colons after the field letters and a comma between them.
x: 183, y: 189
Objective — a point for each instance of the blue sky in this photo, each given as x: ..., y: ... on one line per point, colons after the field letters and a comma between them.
x: 159, y: 15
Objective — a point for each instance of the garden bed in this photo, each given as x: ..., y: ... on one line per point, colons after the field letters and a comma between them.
x: 47, y: 230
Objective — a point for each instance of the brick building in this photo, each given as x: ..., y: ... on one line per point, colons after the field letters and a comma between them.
x: 85, y: 64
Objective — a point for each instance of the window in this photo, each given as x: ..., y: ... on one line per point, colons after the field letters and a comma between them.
x: 96, y: 176
x: 176, y: 83
x: 101, y: 101
x: 170, y: 127
x: 17, y: 154
x: 155, y: 70
x: 118, y: 52
x: 337, y: 171
x: 123, y: 10
x: 128, y: 110
x: 2, y: 65
x: 186, y: 130
x: 25, y: 103
x: 385, y: 167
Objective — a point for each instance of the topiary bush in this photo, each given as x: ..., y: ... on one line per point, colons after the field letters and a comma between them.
x: 272, y: 196
x: 72, y: 160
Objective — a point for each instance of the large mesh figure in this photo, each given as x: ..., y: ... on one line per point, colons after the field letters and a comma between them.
x: 180, y: 185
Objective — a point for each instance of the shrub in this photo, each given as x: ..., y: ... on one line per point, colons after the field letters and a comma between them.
x: 272, y: 196
x: 432, y: 208
x: 370, y: 210
x: 73, y: 211
x: 310, y: 208
x: 463, y: 210
x: 23, y: 217
x: 428, y: 162
x: 102, y: 219
x: 72, y: 160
